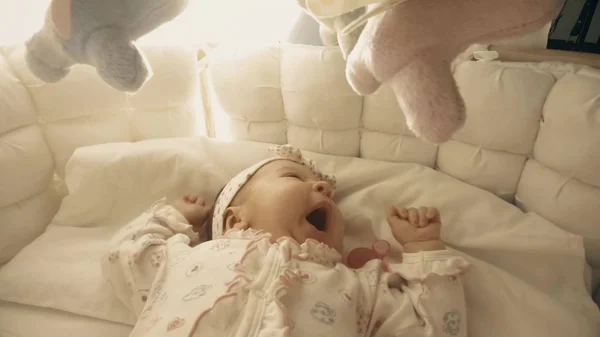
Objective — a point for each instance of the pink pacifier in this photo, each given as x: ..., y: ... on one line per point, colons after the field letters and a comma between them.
x: 358, y: 257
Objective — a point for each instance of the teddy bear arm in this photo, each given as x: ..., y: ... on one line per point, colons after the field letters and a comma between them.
x: 116, y: 59
x: 348, y: 41
x: 328, y: 36
x: 359, y: 73
x: 429, y: 97
x: 46, y: 57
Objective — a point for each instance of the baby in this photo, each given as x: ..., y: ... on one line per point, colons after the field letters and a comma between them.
x: 273, y: 266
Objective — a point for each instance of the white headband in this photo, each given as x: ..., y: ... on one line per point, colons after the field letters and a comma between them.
x: 283, y: 152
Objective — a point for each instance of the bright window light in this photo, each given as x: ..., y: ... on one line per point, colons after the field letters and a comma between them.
x: 216, y: 22
x: 255, y: 22
x: 220, y: 21
x: 19, y: 19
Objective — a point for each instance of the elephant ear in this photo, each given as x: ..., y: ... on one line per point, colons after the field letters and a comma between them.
x: 61, y: 15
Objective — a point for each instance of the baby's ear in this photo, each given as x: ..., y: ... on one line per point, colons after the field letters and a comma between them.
x: 232, y: 219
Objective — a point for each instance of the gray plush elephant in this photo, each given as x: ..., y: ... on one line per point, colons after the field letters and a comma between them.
x: 100, y: 33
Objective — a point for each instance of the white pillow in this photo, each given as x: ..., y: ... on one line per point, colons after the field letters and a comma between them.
x: 519, y: 259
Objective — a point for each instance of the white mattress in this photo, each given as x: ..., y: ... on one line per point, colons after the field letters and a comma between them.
x: 18, y: 320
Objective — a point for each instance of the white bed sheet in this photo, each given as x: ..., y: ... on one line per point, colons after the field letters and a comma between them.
x: 17, y: 320
x: 529, y: 276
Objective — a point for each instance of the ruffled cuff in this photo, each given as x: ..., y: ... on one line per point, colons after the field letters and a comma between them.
x: 174, y: 220
x: 419, y: 266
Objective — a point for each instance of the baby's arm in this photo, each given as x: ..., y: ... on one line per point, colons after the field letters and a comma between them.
x: 429, y: 273
x: 137, y: 252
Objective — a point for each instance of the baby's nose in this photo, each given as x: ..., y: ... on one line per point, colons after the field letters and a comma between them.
x: 324, y: 188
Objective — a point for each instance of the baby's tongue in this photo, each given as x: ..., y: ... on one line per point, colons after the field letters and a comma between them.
x: 315, y: 234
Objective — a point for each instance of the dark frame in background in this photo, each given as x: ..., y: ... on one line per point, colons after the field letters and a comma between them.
x: 577, y: 27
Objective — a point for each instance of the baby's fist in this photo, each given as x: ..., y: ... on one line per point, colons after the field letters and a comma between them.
x: 422, y: 217
x: 194, y: 209
x: 416, y: 229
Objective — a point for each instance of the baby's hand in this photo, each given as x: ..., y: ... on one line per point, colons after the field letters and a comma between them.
x: 416, y: 229
x: 194, y: 209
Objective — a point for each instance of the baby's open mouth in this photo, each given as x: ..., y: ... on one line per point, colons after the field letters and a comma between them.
x: 318, y: 218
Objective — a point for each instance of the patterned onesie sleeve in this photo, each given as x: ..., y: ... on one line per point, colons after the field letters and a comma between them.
x: 423, y: 296
x: 137, y: 252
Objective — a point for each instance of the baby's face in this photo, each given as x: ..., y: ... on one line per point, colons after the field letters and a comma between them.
x: 286, y: 199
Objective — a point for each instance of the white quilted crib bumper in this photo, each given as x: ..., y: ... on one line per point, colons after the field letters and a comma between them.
x: 532, y: 135
x: 42, y: 124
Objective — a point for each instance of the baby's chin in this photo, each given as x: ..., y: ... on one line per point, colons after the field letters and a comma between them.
x: 324, y: 238
x: 306, y: 234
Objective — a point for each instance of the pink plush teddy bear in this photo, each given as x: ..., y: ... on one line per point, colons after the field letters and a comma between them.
x: 410, y: 44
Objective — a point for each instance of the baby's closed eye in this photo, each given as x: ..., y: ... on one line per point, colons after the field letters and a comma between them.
x: 292, y: 175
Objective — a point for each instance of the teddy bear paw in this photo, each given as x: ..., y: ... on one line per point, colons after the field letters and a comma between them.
x: 45, y: 59
x: 117, y: 60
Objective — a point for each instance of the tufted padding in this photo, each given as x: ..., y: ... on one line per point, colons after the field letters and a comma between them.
x: 42, y: 124
x: 532, y: 134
